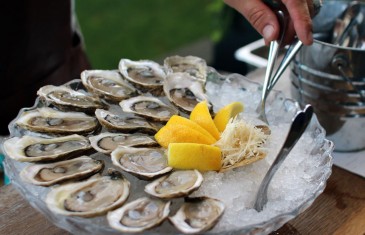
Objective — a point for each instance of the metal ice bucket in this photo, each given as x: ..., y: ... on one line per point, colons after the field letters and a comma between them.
x: 332, y: 79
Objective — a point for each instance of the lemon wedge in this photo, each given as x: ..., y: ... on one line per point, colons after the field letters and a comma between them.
x: 178, y: 120
x: 201, y: 115
x: 194, y: 156
x: 226, y: 113
x: 179, y: 133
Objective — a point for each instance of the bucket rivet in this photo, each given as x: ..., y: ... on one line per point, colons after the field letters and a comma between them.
x: 339, y: 61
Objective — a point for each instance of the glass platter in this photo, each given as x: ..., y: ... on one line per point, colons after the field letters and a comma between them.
x: 298, y: 182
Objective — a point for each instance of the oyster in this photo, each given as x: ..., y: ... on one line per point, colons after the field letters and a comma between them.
x: 184, y: 91
x: 148, y: 107
x: 176, y: 184
x: 107, y: 84
x: 197, y: 215
x: 66, y: 98
x: 89, y: 198
x: 195, y: 66
x: 139, y: 215
x: 146, y: 75
x: 53, y: 173
x: 125, y: 123
x: 47, y: 120
x: 36, y: 149
x: 107, y: 142
x: 145, y: 163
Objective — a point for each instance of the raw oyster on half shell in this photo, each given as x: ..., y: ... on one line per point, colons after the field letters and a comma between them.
x: 197, y: 215
x: 148, y: 107
x: 48, y: 120
x: 37, y: 149
x: 176, y: 184
x: 107, y: 84
x: 144, y: 163
x: 194, y: 66
x: 139, y: 215
x: 184, y: 91
x: 145, y: 75
x: 89, y: 198
x: 125, y: 123
x: 53, y: 173
x: 65, y: 98
x: 106, y: 142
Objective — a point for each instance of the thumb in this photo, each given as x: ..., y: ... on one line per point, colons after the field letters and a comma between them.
x: 260, y: 16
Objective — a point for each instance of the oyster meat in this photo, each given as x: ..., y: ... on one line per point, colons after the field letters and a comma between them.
x: 139, y: 215
x: 89, y: 198
x: 184, y: 91
x: 53, y: 173
x: 66, y: 98
x: 146, y: 75
x: 145, y: 163
x: 48, y: 120
x: 125, y: 123
x: 107, y: 84
x: 106, y: 142
x: 197, y: 215
x: 148, y: 107
x: 195, y: 66
x: 176, y: 184
x: 36, y: 149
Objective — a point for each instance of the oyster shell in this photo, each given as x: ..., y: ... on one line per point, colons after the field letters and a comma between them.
x: 145, y: 75
x: 125, y: 123
x: 89, y: 198
x: 184, y: 91
x: 47, y: 120
x: 65, y: 98
x: 36, y: 149
x: 139, y: 215
x: 148, y: 107
x: 107, y: 142
x: 145, y: 163
x: 175, y: 184
x: 195, y: 66
x: 197, y: 215
x: 53, y: 173
x: 107, y: 84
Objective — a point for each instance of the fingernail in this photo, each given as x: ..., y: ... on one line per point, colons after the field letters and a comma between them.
x: 268, y: 32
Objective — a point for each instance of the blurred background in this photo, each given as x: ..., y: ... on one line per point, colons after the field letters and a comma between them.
x: 138, y: 29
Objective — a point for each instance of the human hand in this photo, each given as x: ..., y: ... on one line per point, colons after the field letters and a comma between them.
x: 265, y: 21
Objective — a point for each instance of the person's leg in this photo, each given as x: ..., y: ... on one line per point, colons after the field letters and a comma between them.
x: 239, y: 34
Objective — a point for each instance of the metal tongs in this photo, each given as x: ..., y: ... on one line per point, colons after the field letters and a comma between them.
x: 297, y: 128
x: 270, y: 79
x: 346, y: 30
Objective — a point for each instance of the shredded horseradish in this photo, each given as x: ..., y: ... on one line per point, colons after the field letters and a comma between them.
x: 240, y: 141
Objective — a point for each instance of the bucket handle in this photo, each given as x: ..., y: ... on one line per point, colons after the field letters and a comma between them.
x: 340, y: 62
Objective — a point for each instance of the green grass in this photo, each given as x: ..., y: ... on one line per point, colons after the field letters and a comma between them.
x: 140, y: 29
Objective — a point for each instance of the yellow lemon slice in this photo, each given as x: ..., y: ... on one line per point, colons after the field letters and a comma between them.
x: 181, y: 134
x: 194, y: 156
x: 227, y: 112
x: 175, y: 120
x: 201, y: 115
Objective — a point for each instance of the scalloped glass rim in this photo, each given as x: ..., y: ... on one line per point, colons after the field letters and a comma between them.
x: 290, y: 107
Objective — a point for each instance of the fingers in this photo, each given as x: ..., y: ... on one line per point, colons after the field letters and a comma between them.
x: 260, y: 16
x: 299, y: 11
x: 264, y: 20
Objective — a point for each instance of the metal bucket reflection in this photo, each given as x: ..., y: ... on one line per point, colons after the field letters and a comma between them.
x: 332, y: 79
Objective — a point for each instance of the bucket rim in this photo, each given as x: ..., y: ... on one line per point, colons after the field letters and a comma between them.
x: 317, y: 41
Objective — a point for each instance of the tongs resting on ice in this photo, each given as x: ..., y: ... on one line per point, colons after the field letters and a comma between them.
x: 270, y: 78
